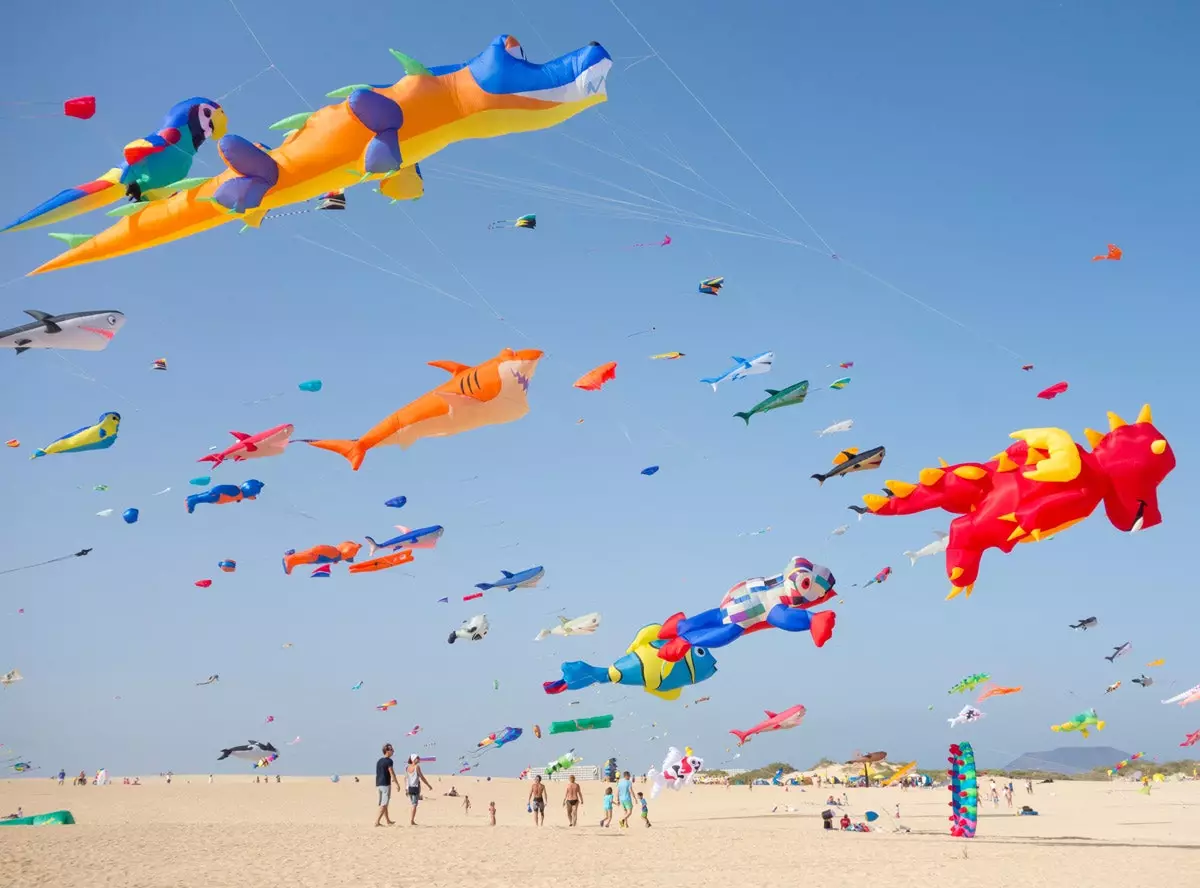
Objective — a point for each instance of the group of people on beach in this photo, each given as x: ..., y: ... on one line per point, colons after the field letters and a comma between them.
x: 573, y: 801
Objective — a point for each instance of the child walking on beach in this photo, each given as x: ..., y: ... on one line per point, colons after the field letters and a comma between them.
x: 466, y: 804
x: 607, y: 802
x: 645, y: 810
x: 492, y: 812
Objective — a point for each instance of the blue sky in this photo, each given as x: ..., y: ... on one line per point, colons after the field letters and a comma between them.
x: 972, y: 157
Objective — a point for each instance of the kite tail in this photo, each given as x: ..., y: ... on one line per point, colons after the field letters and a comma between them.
x: 71, y: 202
x: 820, y: 479
x: 744, y: 416
x: 712, y: 380
x: 38, y: 453
x: 578, y: 674
x: 911, y: 557
x: 741, y: 735
x: 215, y: 458
x: 372, y: 547
x: 349, y: 449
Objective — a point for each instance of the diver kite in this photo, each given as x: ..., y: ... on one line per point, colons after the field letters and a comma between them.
x: 226, y: 493
x: 343, y: 552
x: 491, y: 393
x: 74, y: 331
x: 775, y: 721
x: 1085, y: 624
x: 376, y: 133
x: 640, y: 667
x: 529, y: 221
x: 782, y: 601
x: 1039, y: 486
x: 1081, y: 723
x: 100, y: 436
x: 1114, y: 254
x: 1112, y: 687
x: 154, y: 167
x: 850, y: 461
x: 212, y: 679
x: 384, y: 707
x: 473, y: 629
x: 272, y: 442
x: 711, y: 286
x: 596, y: 377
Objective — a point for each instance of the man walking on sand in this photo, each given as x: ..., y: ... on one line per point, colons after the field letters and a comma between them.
x: 385, y: 776
x: 537, y: 800
x: 572, y: 799
x: 625, y: 797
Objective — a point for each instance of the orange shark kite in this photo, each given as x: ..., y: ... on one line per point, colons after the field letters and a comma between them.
x: 492, y: 393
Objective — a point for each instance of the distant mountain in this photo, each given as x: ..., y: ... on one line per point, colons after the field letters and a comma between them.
x: 1068, y: 759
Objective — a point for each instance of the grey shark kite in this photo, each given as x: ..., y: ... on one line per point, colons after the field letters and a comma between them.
x: 76, y: 331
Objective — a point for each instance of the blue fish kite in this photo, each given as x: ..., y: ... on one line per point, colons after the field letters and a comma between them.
x: 649, y: 470
x: 641, y: 668
x: 525, y: 578
x: 396, y: 502
x: 421, y: 538
x: 742, y: 368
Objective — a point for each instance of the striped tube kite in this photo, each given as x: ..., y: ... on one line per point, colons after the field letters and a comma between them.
x: 377, y: 133
x: 1037, y: 487
x: 964, y: 791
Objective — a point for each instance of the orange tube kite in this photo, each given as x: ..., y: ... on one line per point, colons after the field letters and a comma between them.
x: 404, y: 556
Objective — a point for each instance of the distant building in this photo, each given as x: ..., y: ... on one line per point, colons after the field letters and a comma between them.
x: 580, y: 772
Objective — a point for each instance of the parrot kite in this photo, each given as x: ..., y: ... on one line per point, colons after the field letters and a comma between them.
x: 154, y: 167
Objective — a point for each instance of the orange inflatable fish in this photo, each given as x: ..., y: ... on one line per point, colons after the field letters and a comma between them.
x: 384, y: 562
x: 594, y: 379
x: 491, y: 393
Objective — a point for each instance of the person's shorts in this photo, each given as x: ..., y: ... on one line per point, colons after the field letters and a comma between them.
x: 385, y: 795
x: 628, y: 806
x: 645, y: 815
x: 571, y: 803
x: 539, y: 805
x: 414, y: 796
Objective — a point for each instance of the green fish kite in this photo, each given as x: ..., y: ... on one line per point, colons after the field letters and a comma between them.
x: 793, y: 394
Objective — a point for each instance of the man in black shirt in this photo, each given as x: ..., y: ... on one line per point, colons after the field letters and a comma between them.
x: 385, y: 776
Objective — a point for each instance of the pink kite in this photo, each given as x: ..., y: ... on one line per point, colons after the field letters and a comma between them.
x: 1053, y: 391
x: 1191, y: 739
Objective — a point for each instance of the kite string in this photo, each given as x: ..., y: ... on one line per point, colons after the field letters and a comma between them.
x: 728, y: 135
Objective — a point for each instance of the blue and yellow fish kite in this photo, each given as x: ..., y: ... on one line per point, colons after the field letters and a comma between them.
x: 100, y: 436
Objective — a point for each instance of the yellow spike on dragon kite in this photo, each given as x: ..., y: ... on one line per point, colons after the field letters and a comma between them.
x: 376, y: 133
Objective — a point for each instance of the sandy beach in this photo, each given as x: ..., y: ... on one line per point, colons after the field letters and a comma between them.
x: 309, y: 831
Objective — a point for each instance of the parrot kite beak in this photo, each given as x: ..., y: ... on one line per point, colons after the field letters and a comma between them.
x: 220, y: 124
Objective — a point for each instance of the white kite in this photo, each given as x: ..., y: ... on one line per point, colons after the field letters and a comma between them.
x: 1189, y: 696
x: 965, y: 716
x: 938, y: 545
x: 9, y: 677
x: 844, y: 426
x: 473, y: 629
x: 679, y: 770
x: 585, y: 625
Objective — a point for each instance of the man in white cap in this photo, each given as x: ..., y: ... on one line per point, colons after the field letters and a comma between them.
x: 414, y: 777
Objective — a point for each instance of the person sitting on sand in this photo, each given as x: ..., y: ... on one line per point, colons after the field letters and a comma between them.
x: 453, y: 793
x: 845, y: 821
x: 537, y: 800
x: 572, y: 799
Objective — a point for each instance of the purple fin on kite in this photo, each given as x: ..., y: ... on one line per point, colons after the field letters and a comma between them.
x: 383, y: 117
x: 257, y: 174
